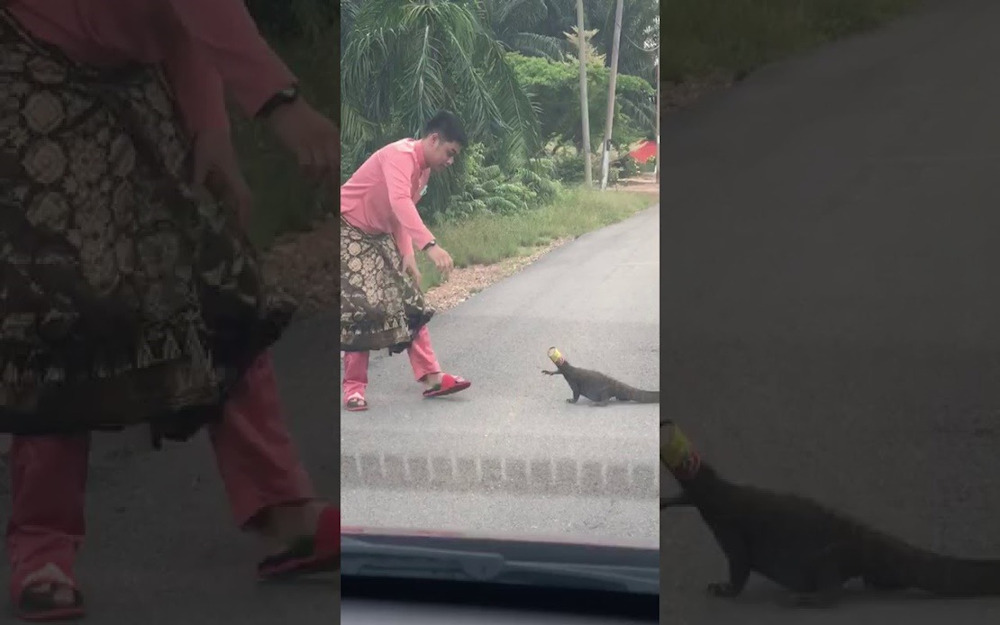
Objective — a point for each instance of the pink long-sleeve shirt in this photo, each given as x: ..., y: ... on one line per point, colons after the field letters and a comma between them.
x: 381, y: 197
x: 202, y: 45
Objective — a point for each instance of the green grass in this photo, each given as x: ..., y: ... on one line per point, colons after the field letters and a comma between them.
x: 700, y: 37
x: 486, y: 239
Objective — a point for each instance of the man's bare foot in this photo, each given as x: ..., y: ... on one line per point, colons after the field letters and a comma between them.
x: 62, y: 594
x: 283, y: 524
x: 49, y: 593
x: 433, y: 379
x: 305, y: 539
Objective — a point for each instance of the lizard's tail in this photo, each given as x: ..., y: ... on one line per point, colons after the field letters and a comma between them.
x: 643, y: 397
x: 951, y: 577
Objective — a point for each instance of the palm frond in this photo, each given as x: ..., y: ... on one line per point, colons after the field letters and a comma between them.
x: 518, y: 15
x: 534, y: 44
x: 642, y: 114
x: 403, y: 61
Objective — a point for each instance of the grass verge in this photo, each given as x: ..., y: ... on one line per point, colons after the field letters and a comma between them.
x: 487, y: 239
x: 702, y: 37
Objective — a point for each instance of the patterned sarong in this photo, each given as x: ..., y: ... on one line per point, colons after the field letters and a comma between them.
x: 126, y: 296
x: 380, y: 305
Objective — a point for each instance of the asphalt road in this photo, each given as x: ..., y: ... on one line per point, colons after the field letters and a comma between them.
x: 832, y: 303
x: 509, y: 455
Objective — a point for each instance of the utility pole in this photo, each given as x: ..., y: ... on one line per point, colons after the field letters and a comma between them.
x: 656, y: 167
x: 584, y: 109
x: 606, y: 146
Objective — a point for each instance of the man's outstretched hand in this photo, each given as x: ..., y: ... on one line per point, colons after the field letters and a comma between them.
x: 441, y: 259
x: 217, y: 169
x: 410, y: 267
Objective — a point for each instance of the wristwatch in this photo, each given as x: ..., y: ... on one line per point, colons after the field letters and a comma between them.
x: 428, y: 246
x: 285, y: 96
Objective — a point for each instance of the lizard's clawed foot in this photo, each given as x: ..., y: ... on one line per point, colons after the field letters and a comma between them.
x: 722, y: 589
x: 809, y: 600
x: 880, y: 585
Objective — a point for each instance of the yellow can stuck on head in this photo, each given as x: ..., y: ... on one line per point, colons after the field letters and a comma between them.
x: 556, y: 356
x: 675, y: 448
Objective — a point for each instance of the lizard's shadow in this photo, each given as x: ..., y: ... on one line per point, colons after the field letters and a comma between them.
x: 763, y: 594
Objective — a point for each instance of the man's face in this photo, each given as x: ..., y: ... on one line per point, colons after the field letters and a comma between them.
x: 441, y: 153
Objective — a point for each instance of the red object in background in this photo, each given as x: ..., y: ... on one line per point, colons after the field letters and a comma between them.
x: 645, y: 151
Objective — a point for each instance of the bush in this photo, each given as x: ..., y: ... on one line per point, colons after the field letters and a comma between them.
x: 486, y: 189
x: 630, y: 167
x: 555, y: 87
x: 569, y: 167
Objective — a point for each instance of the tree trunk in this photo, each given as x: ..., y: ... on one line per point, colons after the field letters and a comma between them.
x: 656, y: 166
x: 606, y: 145
x: 584, y: 109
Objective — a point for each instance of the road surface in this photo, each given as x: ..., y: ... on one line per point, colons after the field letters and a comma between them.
x: 832, y: 325
x: 509, y: 455
x: 162, y: 548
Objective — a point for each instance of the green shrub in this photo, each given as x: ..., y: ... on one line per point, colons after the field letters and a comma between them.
x: 488, y: 190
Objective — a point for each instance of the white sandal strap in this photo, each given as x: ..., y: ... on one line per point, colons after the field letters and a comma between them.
x: 50, y: 573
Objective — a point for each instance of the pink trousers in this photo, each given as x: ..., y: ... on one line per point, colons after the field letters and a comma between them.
x: 253, y: 450
x: 422, y: 360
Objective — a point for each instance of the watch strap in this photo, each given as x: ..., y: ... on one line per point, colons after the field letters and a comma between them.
x: 285, y: 96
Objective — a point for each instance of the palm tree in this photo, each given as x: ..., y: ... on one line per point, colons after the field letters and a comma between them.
x: 402, y: 61
x: 640, y: 23
x: 520, y: 26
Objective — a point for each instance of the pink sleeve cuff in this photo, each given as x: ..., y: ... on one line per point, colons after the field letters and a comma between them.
x: 261, y: 86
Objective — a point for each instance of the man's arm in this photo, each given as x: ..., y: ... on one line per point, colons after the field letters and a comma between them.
x: 403, y: 241
x: 197, y: 85
x: 230, y: 41
x: 398, y: 170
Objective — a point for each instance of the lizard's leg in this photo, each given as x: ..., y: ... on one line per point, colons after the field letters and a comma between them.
x: 575, y: 387
x: 551, y: 372
x: 576, y: 393
x: 600, y: 397
x: 619, y: 395
x: 683, y: 499
x: 829, y: 585
x: 881, y: 584
x: 738, y: 557
x: 825, y: 597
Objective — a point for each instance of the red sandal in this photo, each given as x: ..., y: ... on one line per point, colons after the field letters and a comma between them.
x: 449, y: 384
x: 318, y: 553
x: 356, y: 403
x: 38, y: 606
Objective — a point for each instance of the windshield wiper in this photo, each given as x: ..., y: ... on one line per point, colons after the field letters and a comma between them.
x: 366, y: 559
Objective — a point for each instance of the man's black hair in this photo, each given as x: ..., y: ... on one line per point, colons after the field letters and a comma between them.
x: 448, y: 126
